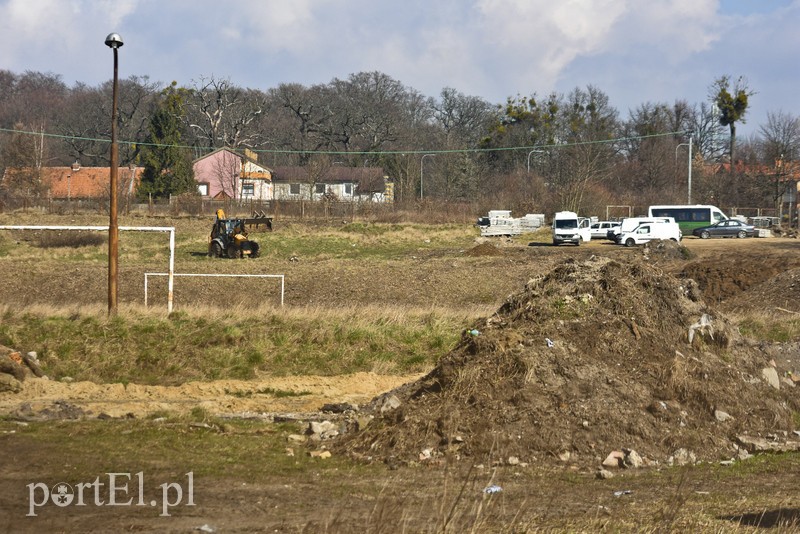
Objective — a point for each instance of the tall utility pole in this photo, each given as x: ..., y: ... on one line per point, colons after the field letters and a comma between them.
x: 689, y: 144
x: 114, y: 41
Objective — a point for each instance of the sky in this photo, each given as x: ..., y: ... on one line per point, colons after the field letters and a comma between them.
x: 635, y: 51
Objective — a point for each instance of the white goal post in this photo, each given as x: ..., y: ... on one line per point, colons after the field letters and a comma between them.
x: 214, y: 275
x: 170, y: 229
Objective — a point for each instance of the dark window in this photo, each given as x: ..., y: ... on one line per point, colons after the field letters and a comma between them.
x: 294, y: 189
x: 248, y: 190
x: 319, y: 188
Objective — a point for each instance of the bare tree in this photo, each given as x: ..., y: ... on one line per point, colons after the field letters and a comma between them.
x: 781, y: 137
x: 223, y: 115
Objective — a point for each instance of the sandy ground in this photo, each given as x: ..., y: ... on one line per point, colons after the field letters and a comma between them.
x: 47, y: 398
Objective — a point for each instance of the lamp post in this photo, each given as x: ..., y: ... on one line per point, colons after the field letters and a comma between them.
x: 114, y: 41
x: 421, y: 161
x: 529, y: 158
x: 689, y: 144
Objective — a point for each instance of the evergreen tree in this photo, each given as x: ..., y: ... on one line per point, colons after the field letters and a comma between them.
x: 167, y: 165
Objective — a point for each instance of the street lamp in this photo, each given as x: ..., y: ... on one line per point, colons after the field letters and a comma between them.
x: 114, y: 41
x: 529, y: 158
x: 421, y: 161
x: 689, y: 144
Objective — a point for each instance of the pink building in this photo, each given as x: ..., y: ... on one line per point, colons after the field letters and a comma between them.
x: 224, y: 173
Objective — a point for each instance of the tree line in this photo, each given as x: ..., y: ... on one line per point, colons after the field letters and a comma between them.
x: 532, y: 153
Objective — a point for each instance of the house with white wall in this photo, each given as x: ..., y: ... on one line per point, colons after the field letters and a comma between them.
x: 227, y: 174
x: 349, y: 184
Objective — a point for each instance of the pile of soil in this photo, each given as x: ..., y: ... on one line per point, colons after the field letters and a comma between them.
x: 593, y: 357
x: 779, y: 291
x: 484, y: 249
x: 720, y: 280
x: 664, y: 250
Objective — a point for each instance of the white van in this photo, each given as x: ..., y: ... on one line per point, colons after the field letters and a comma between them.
x: 629, y: 224
x: 569, y: 228
x: 648, y: 231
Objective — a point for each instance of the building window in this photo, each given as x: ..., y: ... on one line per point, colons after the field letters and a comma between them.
x: 294, y: 189
x: 319, y: 188
x: 348, y: 189
x: 202, y: 188
x: 248, y: 190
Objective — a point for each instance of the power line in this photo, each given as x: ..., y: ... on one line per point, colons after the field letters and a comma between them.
x: 362, y: 153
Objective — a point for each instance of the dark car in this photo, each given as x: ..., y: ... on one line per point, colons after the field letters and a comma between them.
x: 727, y: 228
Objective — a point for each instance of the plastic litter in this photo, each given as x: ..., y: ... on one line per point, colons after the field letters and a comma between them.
x: 474, y: 332
x: 206, y: 528
x: 492, y: 489
x: 550, y: 343
x: 621, y: 493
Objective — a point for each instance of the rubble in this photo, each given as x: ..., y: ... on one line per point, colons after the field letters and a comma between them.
x: 619, y: 357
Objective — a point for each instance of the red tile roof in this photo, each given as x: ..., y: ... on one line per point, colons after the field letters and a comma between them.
x: 78, y: 182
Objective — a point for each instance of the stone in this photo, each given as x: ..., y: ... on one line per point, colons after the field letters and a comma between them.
x: 512, y: 460
x: 363, y: 421
x: 682, y: 457
x: 604, y: 474
x: 786, y: 381
x: 632, y: 459
x: 9, y: 383
x: 296, y: 438
x: 721, y: 416
x: 11, y: 367
x: 754, y: 445
x: 339, y: 407
x: 390, y: 403
x: 323, y: 429
x: 565, y: 456
x: 320, y: 454
x: 770, y: 376
x: 614, y: 459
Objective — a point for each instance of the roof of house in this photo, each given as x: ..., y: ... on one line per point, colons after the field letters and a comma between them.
x: 248, y: 156
x: 783, y: 170
x: 368, y: 179
x: 82, y: 182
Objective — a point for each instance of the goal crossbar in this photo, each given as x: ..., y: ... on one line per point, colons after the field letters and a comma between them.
x: 170, y: 229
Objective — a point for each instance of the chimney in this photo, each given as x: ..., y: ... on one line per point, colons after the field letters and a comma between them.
x: 76, y: 166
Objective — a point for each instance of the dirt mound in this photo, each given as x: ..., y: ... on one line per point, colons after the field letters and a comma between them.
x: 780, y: 291
x: 719, y: 279
x: 484, y: 249
x: 665, y: 250
x: 593, y: 357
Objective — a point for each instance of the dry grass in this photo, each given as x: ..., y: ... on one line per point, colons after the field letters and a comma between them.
x: 150, y: 347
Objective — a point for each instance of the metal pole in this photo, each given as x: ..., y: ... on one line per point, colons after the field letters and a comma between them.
x: 690, y: 170
x: 113, y: 225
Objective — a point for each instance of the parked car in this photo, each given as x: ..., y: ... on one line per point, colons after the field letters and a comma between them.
x: 599, y: 230
x: 650, y: 231
x: 727, y: 228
